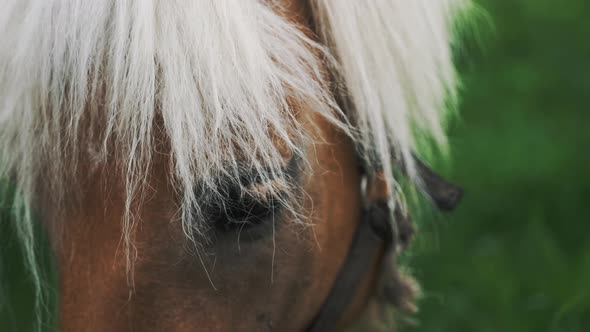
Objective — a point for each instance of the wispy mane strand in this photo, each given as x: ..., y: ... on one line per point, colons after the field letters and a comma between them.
x: 218, y: 75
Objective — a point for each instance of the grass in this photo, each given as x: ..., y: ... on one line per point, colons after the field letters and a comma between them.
x: 516, y: 255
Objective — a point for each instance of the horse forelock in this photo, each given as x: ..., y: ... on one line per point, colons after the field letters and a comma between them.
x: 216, y: 78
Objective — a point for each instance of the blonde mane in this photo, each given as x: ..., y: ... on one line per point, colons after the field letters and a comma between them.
x: 218, y: 74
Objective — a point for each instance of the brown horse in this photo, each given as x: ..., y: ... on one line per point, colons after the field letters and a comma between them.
x: 198, y: 164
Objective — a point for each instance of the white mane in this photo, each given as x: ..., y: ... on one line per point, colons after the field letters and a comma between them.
x: 218, y: 74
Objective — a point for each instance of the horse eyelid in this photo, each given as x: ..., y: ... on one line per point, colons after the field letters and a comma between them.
x: 254, y: 200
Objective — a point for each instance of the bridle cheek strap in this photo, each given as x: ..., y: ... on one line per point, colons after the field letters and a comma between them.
x: 374, y: 234
x: 377, y: 234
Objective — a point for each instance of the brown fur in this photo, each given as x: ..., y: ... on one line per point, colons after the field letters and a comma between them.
x: 276, y: 283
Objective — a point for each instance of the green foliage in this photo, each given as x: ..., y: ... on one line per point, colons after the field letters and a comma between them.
x: 16, y: 292
x: 516, y: 255
x: 22, y: 307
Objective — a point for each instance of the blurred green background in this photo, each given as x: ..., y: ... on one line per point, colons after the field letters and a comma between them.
x: 516, y: 254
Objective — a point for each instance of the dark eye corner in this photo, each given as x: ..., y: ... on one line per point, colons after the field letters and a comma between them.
x: 249, y: 203
x: 243, y: 209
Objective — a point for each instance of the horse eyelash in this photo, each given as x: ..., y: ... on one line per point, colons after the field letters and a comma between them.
x: 255, y: 199
x: 240, y: 209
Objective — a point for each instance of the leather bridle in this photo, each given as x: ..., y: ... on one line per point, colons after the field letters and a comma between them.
x: 381, y: 230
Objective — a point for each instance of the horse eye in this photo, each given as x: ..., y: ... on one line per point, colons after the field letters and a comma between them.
x: 250, y: 205
x: 240, y: 211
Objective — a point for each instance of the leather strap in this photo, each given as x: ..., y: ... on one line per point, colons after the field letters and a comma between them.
x: 378, y: 231
x: 445, y: 195
x: 374, y: 233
